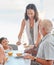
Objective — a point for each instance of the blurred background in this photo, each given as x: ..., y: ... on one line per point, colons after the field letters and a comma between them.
x: 12, y: 13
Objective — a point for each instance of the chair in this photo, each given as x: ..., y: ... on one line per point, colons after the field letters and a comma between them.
x: 13, y: 46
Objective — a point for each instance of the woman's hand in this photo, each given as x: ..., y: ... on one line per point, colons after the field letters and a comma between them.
x: 31, y: 46
x: 18, y: 43
x: 10, y: 47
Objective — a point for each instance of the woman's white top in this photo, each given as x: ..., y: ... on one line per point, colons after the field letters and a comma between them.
x: 28, y: 31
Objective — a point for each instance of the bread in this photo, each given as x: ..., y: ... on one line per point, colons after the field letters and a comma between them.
x: 10, y: 53
x: 19, y: 54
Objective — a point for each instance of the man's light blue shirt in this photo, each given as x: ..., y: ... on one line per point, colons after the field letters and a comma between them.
x: 46, y: 48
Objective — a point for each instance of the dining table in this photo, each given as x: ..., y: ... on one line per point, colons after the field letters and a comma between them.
x: 16, y: 60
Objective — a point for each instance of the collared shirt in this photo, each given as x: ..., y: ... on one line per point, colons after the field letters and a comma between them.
x: 46, y: 48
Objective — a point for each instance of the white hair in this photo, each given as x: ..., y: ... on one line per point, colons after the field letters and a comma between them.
x: 47, y: 24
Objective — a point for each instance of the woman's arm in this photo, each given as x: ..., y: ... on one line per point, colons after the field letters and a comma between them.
x: 39, y: 35
x: 38, y: 40
x: 20, y: 33
x: 21, y: 29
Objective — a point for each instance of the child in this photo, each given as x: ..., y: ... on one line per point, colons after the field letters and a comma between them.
x: 4, y: 42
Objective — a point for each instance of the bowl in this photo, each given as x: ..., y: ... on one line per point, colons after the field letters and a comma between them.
x: 10, y: 53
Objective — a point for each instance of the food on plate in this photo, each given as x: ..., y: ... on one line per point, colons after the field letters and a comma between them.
x: 19, y: 54
x: 10, y: 53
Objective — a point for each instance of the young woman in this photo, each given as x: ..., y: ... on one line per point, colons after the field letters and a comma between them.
x: 31, y: 22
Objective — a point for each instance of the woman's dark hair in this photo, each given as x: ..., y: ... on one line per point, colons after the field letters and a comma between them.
x: 1, y: 39
x: 33, y: 7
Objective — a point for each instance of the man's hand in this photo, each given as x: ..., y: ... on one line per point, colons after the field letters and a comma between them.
x: 28, y: 56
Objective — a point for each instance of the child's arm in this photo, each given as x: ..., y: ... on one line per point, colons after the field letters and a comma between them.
x: 2, y: 55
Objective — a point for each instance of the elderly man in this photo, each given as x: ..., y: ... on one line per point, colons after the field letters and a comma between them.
x: 45, y: 55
